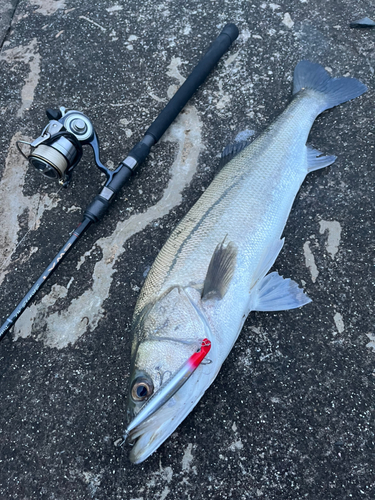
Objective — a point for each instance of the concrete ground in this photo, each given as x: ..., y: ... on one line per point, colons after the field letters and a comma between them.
x: 291, y: 414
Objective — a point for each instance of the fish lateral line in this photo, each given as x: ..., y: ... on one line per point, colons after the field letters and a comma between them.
x: 167, y: 391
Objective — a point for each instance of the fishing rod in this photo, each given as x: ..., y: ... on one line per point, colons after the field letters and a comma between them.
x: 58, y: 150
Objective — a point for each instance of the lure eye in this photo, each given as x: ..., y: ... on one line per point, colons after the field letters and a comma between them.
x: 142, y: 389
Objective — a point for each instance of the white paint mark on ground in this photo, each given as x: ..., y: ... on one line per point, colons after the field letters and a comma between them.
x: 93, y: 481
x: 232, y: 58
x: 27, y: 54
x: 310, y: 261
x: 34, y: 313
x: 224, y: 102
x: 46, y: 7
x: 339, y: 322
x: 14, y: 203
x: 165, y: 493
x: 287, y: 20
x: 84, y: 313
x: 236, y: 445
x: 188, y: 458
x: 114, y: 8
x: 165, y: 474
x: 174, y: 72
x: 334, y: 235
x: 93, y: 22
x: 371, y: 344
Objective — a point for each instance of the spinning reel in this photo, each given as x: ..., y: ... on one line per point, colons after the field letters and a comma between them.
x: 58, y: 150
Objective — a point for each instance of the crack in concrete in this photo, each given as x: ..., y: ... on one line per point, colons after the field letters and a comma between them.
x: 8, y: 17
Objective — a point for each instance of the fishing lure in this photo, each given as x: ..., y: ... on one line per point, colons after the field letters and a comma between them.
x: 167, y: 390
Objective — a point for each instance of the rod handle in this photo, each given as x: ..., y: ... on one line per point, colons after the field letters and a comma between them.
x: 216, y: 50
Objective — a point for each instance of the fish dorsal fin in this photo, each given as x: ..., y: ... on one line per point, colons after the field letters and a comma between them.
x: 363, y: 23
x: 316, y: 160
x: 275, y: 293
x: 220, y: 271
x: 231, y: 151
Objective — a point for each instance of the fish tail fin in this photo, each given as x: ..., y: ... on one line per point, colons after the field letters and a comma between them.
x: 336, y: 90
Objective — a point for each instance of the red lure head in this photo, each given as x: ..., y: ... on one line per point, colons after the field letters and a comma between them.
x: 196, y: 359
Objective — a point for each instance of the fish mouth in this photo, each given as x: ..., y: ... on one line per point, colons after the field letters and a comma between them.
x: 148, y: 436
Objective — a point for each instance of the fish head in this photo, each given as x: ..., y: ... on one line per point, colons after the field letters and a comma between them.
x: 165, y: 337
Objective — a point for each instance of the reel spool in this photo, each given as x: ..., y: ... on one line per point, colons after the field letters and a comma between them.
x: 59, y: 148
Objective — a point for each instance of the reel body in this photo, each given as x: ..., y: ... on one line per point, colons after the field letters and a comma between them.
x: 58, y: 150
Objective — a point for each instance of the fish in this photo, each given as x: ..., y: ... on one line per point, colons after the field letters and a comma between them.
x: 214, y: 268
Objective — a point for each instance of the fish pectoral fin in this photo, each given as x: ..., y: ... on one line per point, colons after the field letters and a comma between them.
x: 316, y: 160
x: 267, y: 260
x: 230, y: 151
x: 275, y: 293
x: 220, y: 271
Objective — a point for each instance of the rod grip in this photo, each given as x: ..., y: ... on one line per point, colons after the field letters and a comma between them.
x: 216, y: 50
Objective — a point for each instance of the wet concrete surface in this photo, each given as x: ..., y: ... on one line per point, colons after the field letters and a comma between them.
x: 291, y: 414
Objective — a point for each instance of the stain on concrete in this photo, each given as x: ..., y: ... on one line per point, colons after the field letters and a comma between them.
x: 333, y: 228
x: 187, y: 459
x: 310, y: 261
x: 85, y: 18
x: 371, y: 344
x: 47, y: 7
x: 339, y: 322
x: 287, y: 20
x: 65, y: 327
x: 14, y: 204
x: 27, y: 54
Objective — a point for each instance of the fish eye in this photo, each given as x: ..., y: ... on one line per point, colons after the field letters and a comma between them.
x: 142, y: 389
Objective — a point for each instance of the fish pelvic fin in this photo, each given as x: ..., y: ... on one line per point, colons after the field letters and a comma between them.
x: 275, y: 293
x: 220, y: 271
x: 308, y: 75
x: 316, y: 160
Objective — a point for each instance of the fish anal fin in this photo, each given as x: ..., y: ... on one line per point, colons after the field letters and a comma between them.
x: 316, y: 160
x: 275, y: 293
x: 220, y: 271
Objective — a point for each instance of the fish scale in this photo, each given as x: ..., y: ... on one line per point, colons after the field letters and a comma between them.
x: 213, y: 269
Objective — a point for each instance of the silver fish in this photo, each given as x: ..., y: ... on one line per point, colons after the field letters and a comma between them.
x: 213, y: 269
